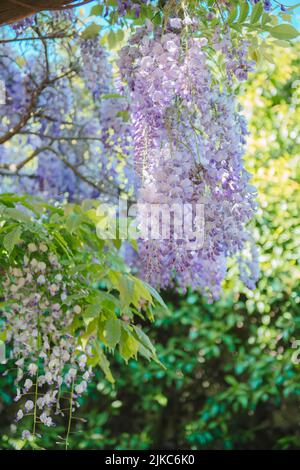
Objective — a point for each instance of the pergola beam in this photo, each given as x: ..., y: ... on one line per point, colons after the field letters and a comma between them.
x: 12, y: 11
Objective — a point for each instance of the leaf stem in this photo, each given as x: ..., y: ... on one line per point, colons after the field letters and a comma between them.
x: 70, y: 416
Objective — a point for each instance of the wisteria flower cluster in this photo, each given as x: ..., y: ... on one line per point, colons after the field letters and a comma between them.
x: 110, y: 108
x: 96, y: 71
x: 76, y: 148
x: 233, y: 56
x: 189, y: 141
x: 63, y: 307
x: 267, y: 4
x: 20, y: 26
x: 52, y: 371
x: 125, y: 6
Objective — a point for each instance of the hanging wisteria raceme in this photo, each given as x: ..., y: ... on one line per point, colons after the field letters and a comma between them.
x: 267, y: 4
x: 96, y: 71
x: 75, y: 148
x: 55, y: 18
x: 235, y: 56
x: 47, y: 176
x: 125, y: 6
x: 189, y: 141
x: 52, y: 371
x: 20, y: 26
x: 112, y: 110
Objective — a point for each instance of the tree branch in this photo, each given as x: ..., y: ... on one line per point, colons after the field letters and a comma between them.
x: 58, y: 138
x: 16, y: 168
x: 42, y: 38
x: 30, y: 109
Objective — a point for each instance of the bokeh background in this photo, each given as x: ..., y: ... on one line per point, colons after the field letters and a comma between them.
x: 232, y: 375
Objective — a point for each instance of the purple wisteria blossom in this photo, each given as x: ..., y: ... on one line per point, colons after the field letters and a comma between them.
x: 189, y: 138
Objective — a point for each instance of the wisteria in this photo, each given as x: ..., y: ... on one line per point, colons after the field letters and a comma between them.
x: 96, y: 71
x: 110, y: 108
x: 42, y: 140
x: 188, y: 137
x: 189, y: 142
x: 51, y: 371
x: 234, y: 56
x: 267, y: 4
x: 138, y: 100
x: 130, y: 6
x: 75, y: 148
x: 22, y: 25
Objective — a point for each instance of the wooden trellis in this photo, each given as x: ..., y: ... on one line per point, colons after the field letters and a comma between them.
x: 14, y: 10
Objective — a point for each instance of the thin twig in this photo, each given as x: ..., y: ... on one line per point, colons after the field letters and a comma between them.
x: 70, y: 416
x: 31, y: 107
x: 42, y: 38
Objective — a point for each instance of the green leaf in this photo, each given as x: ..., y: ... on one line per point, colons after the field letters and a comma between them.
x: 123, y: 115
x: 91, y: 31
x: 157, y: 18
x: 104, y: 363
x: 112, y: 332
x: 281, y: 43
x: 108, y: 96
x: 128, y: 345
x: 155, y: 295
x: 141, y: 292
x: 120, y: 35
x: 124, y: 285
x: 293, y: 7
x: 266, y: 18
x: 97, y: 10
x: 62, y: 243
x: 17, y: 215
x: 3, y: 335
x: 286, y: 17
x: 243, y: 399
x: 244, y: 11
x: 257, y: 11
x: 146, y: 348
x: 233, y: 13
x: 143, y: 338
x: 73, y: 222
x: 284, y: 31
x: 231, y: 380
x: 9, y: 199
x: 12, y: 238
x: 112, y: 39
x: 90, y: 313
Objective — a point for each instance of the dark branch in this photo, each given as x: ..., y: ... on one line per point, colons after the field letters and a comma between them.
x: 31, y: 107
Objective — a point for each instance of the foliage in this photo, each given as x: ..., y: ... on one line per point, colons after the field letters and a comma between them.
x: 245, y: 17
x: 89, y: 280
